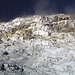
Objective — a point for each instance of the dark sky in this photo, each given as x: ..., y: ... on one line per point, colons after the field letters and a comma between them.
x: 10, y: 9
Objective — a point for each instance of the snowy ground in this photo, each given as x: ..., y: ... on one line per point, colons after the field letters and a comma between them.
x: 37, y: 57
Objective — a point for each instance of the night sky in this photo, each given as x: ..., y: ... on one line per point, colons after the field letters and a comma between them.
x: 10, y: 9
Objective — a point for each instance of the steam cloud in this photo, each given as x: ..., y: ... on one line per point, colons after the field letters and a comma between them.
x: 44, y: 7
x: 70, y: 10
x: 37, y: 7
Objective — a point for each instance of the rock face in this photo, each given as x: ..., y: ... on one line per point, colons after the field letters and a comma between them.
x: 38, y: 45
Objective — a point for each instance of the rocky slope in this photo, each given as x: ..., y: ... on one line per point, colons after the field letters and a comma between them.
x: 38, y: 45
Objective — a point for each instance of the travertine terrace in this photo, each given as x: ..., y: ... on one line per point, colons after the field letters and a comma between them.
x: 38, y: 45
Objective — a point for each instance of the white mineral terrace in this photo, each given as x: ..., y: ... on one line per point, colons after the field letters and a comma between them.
x: 37, y: 46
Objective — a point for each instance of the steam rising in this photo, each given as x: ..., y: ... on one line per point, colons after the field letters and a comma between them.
x: 70, y: 10
x: 39, y: 7
x: 44, y: 7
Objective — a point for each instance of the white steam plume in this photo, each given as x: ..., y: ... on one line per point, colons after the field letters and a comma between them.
x: 42, y: 7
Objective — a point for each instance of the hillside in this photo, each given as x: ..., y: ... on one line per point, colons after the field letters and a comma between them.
x: 38, y: 45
